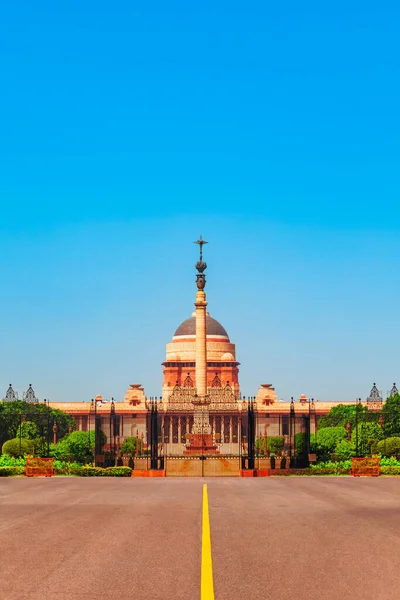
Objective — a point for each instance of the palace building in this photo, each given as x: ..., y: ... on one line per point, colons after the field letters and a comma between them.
x: 201, y: 409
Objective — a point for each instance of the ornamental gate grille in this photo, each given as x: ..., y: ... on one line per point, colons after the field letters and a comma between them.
x: 201, y: 437
x: 218, y: 435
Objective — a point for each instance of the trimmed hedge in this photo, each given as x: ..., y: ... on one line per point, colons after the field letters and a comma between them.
x: 309, y: 471
x: 10, y: 471
x: 77, y: 471
x: 100, y: 472
x: 390, y: 470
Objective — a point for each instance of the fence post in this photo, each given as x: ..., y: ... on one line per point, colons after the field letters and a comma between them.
x: 250, y: 435
x: 153, y: 436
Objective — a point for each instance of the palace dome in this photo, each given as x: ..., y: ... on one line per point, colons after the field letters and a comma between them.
x: 213, y: 327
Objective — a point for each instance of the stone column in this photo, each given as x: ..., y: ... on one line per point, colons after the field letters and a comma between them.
x: 201, y: 343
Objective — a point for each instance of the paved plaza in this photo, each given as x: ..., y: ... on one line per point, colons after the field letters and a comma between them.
x: 279, y: 538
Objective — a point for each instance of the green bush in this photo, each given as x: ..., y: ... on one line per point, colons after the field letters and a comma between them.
x: 273, y: 444
x: 10, y: 471
x: 391, y: 461
x: 100, y: 472
x: 386, y: 470
x: 329, y: 464
x: 85, y: 471
x: 117, y: 472
x: 311, y: 471
x: 345, y: 450
x: 328, y: 438
x: 78, y: 446
x: 130, y: 445
x: 389, y: 447
x: 11, y: 461
x: 18, y: 447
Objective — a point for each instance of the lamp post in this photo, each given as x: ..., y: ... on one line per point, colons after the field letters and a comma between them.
x: 358, y: 401
x: 292, y: 425
x: 112, y: 430
x: 47, y: 402
x: 94, y: 406
x: 308, y: 432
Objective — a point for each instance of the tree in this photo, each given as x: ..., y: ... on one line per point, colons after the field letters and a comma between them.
x: 325, y: 441
x: 18, y: 447
x: 341, y: 414
x: 28, y: 430
x: 329, y: 437
x: 130, y: 445
x: 368, y: 435
x: 391, y: 415
x: 12, y: 413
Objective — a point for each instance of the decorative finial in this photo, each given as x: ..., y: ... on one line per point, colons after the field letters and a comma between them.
x: 201, y: 243
x: 201, y: 266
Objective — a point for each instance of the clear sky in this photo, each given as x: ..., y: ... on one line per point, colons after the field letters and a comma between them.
x: 130, y: 128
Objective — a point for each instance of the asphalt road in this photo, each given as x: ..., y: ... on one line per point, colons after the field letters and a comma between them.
x: 279, y: 538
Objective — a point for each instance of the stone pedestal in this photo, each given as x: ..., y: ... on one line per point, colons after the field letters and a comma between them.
x: 201, y: 443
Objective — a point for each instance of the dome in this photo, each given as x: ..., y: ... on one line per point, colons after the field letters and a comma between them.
x: 213, y: 328
x: 228, y: 356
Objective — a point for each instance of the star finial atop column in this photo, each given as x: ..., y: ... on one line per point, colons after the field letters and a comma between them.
x: 201, y: 266
x: 201, y: 243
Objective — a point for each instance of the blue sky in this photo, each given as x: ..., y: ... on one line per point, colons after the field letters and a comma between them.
x: 130, y: 129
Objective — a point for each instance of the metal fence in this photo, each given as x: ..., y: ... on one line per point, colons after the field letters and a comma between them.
x: 204, y: 442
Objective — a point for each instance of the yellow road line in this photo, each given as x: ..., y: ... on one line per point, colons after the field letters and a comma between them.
x: 207, y: 585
